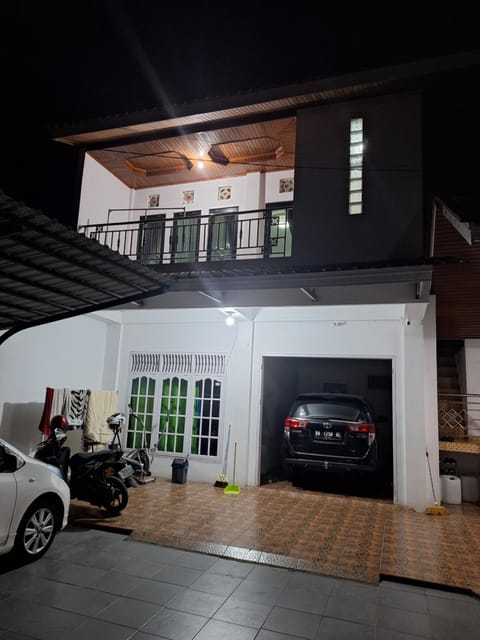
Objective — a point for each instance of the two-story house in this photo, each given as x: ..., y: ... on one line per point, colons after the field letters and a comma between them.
x: 291, y: 232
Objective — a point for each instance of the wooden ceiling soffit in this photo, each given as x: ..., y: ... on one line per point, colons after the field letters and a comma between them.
x: 248, y: 150
x: 159, y: 164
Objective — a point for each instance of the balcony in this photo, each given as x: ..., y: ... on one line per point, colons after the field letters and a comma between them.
x: 172, y: 237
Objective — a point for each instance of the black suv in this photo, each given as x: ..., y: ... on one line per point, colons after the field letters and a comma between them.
x: 325, y: 431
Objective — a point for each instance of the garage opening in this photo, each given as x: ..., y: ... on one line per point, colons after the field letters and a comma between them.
x: 286, y: 377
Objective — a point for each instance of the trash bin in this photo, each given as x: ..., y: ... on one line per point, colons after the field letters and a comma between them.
x: 179, y: 470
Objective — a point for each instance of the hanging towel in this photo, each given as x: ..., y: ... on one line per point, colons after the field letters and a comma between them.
x: 59, y: 402
x: 76, y: 407
x: 44, y: 425
x: 101, y: 404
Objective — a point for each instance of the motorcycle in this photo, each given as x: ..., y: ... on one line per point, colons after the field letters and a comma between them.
x: 92, y: 477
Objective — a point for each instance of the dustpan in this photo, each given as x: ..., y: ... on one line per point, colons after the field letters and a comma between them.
x: 233, y: 489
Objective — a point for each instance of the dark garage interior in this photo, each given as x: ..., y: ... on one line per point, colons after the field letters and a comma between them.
x: 285, y: 377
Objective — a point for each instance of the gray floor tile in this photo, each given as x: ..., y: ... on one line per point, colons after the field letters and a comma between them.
x: 138, y: 566
x: 38, y: 621
x: 183, y: 576
x: 402, y: 586
x: 195, y: 560
x: 293, y: 622
x: 218, y: 630
x: 218, y: 585
x: 404, y: 621
x: 70, y: 573
x: 269, y: 575
x: 175, y: 625
x: 198, y: 602
x: 322, y: 584
x: 241, y: 612
x: 143, y: 636
x: 364, y: 592
x: 266, y: 634
x: 257, y: 592
x: 451, y: 595
x: 155, y: 591
x: 233, y: 568
x: 454, y: 628
x: 388, y: 634
x: 128, y: 612
x: 116, y: 583
x: 454, y: 609
x: 93, y: 629
x: 68, y: 597
x: 407, y: 600
x: 302, y: 599
x: 331, y: 629
x: 352, y: 609
x: 11, y: 635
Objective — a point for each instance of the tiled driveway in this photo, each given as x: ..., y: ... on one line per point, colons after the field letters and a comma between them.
x: 280, y: 525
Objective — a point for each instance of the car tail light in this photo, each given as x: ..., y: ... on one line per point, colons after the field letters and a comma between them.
x: 294, y: 423
x: 362, y: 427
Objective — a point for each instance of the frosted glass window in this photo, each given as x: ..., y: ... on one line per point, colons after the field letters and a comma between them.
x: 357, y: 150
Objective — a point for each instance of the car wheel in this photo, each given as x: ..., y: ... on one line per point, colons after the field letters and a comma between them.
x: 118, y: 495
x: 36, y: 531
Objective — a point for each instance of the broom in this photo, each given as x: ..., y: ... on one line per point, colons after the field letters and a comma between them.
x: 222, y: 480
x: 233, y: 488
x: 435, y: 509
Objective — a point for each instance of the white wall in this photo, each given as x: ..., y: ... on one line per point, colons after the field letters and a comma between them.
x: 373, y: 331
x: 194, y: 331
x: 87, y: 352
x: 100, y: 192
x: 248, y: 192
x: 472, y: 381
x: 69, y: 354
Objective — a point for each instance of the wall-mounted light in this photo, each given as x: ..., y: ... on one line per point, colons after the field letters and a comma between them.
x: 229, y: 319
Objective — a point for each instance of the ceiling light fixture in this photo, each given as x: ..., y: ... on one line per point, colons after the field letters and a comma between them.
x: 229, y: 319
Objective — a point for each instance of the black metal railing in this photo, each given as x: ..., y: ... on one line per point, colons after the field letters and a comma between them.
x: 170, y: 236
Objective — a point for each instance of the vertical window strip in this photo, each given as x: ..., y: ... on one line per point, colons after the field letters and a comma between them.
x: 355, y: 192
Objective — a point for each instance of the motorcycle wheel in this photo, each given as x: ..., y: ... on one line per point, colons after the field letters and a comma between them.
x: 118, y: 495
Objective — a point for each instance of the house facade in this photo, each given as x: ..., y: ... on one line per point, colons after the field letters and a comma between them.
x: 298, y: 215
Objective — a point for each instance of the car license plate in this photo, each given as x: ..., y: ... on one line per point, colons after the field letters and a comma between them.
x: 328, y: 435
x: 126, y: 472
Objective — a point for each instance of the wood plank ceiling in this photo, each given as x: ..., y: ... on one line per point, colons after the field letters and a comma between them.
x: 206, y: 155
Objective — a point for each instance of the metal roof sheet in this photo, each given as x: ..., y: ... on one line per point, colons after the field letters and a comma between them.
x: 50, y: 272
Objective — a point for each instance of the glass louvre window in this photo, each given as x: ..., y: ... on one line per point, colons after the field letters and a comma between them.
x: 142, y: 398
x: 173, y: 406
x: 355, y: 192
x: 206, y: 417
x: 278, y: 232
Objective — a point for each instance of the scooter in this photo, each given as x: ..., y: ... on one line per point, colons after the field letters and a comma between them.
x: 92, y: 477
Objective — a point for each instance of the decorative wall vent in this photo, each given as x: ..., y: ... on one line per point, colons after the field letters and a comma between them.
x: 381, y: 383
x: 181, y: 363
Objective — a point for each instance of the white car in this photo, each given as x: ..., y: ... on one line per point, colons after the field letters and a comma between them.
x: 34, y: 504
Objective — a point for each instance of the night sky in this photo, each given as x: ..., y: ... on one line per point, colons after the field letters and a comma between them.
x: 66, y: 62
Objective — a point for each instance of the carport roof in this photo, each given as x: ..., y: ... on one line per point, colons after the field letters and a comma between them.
x: 49, y: 272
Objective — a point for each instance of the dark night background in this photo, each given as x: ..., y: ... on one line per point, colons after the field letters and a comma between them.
x: 72, y: 61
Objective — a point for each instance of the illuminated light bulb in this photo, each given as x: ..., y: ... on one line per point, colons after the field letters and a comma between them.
x: 201, y: 164
x: 229, y: 320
